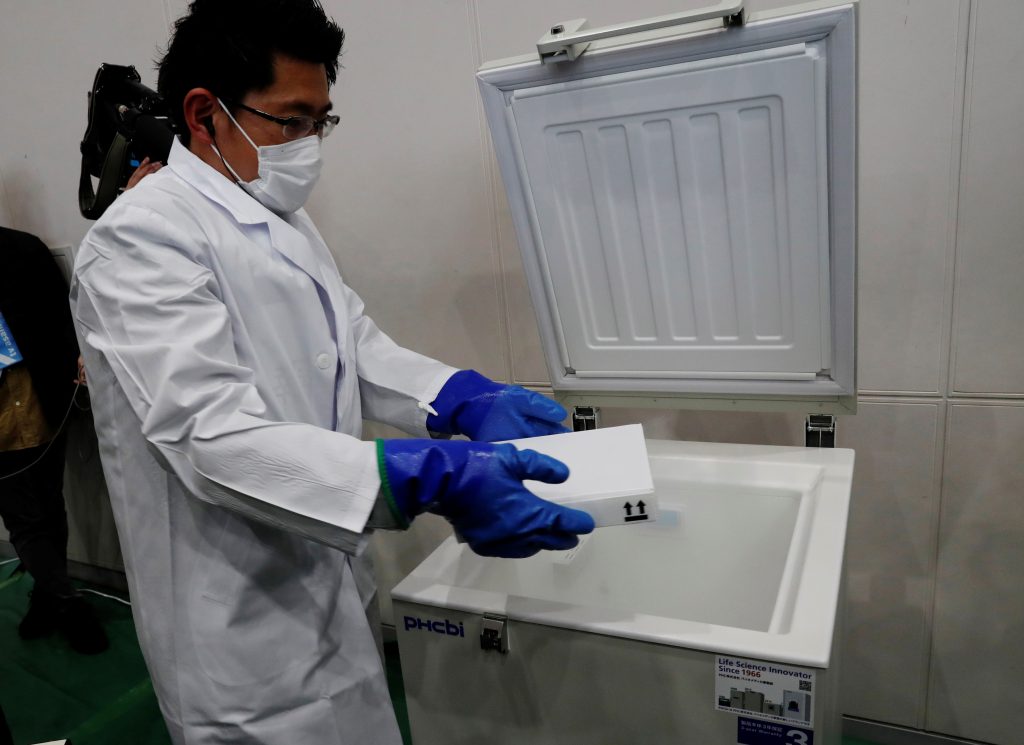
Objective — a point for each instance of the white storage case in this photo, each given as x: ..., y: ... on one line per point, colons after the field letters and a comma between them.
x: 684, y: 201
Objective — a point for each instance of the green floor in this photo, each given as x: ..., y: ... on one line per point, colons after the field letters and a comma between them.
x: 50, y: 692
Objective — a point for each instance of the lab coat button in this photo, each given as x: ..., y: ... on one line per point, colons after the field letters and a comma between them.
x: 323, y: 361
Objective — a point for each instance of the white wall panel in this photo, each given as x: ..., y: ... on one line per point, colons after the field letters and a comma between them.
x: 977, y: 654
x: 49, y: 58
x: 910, y: 54
x: 5, y: 213
x: 890, y: 558
x: 404, y: 201
x: 174, y: 9
x: 527, y: 355
x: 988, y: 343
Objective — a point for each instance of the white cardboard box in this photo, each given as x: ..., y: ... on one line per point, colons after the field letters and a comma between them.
x: 609, y: 474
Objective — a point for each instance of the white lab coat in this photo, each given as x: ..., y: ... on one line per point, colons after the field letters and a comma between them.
x: 230, y: 369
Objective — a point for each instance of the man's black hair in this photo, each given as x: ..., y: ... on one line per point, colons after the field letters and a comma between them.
x: 228, y: 47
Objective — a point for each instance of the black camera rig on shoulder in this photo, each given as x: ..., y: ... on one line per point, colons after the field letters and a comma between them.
x: 128, y: 122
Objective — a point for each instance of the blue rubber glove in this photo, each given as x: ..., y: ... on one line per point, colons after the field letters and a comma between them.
x: 475, y: 406
x: 479, y: 488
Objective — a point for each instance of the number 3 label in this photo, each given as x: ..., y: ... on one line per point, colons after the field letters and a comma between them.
x: 758, y: 732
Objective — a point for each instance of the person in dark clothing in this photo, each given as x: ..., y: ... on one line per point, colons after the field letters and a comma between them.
x: 5, y: 731
x: 35, y: 397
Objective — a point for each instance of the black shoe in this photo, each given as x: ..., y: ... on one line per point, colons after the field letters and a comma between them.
x: 41, y: 618
x: 77, y: 621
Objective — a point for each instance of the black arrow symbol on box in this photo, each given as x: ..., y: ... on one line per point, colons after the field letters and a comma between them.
x: 642, y: 515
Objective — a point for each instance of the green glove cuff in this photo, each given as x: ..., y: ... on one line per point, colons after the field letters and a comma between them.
x: 385, y: 488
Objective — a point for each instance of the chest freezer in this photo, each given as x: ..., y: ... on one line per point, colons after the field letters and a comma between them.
x: 635, y: 638
x: 684, y: 203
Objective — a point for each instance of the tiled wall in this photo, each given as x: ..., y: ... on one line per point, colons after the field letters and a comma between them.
x: 413, y: 207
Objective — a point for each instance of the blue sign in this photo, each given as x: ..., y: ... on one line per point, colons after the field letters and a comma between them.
x: 9, y: 353
x: 759, y: 732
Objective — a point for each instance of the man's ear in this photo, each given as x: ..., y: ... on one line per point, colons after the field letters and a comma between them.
x: 200, y: 108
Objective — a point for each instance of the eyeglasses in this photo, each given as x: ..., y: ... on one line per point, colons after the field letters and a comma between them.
x: 295, y: 127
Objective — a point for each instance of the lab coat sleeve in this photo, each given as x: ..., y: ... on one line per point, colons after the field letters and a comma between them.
x: 393, y: 380
x: 152, y: 310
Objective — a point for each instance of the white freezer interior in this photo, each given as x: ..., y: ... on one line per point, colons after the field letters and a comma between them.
x: 700, y: 577
x: 747, y: 559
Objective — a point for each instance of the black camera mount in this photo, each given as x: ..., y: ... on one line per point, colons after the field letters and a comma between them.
x: 127, y: 123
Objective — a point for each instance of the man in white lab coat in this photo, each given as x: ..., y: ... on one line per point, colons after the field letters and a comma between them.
x: 230, y: 370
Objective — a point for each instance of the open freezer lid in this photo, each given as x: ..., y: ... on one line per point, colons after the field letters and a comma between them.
x: 685, y: 205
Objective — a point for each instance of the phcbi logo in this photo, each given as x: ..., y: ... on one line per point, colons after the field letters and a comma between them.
x: 445, y: 627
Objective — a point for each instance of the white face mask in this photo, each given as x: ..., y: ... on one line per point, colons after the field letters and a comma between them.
x: 287, y: 172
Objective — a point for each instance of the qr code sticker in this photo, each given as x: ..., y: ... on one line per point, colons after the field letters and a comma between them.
x: 805, y: 685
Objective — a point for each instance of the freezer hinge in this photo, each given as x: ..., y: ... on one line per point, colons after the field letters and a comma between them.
x: 565, y: 42
x: 494, y: 633
x: 820, y: 431
x: 585, y: 417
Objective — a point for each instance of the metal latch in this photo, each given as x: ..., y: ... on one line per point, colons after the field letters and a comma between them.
x: 494, y: 634
x: 567, y: 41
x: 585, y: 417
x: 821, y: 431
